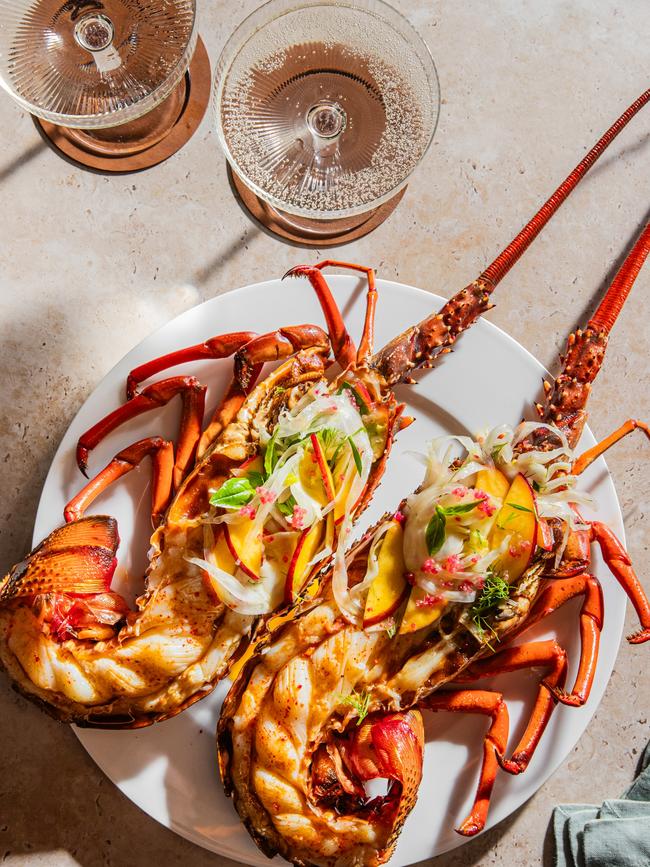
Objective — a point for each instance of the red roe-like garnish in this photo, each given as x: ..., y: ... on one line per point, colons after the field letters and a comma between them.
x: 266, y: 496
x: 452, y: 563
x: 297, y: 519
x: 487, y: 508
x: 428, y: 601
x: 430, y: 567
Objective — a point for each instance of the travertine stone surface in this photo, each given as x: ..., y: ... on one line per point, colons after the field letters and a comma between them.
x: 91, y: 264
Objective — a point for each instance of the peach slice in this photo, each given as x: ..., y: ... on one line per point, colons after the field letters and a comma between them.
x: 517, y: 518
x: 305, y: 550
x: 245, y: 546
x: 222, y: 553
x: 418, y: 614
x: 493, y: 482
x: 389, y: 587
x: 315, y: 475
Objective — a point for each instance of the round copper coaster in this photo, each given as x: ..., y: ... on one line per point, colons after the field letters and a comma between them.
x: 312, y: 233
x: 147, y: 141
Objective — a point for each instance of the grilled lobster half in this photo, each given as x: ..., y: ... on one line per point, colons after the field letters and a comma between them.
x: 491, y: 542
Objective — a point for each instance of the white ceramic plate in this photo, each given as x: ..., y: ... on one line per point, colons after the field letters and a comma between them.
x: 169, y: 769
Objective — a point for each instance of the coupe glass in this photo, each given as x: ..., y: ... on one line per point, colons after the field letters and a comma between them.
x: 107, y: 78
x: 324, y: 108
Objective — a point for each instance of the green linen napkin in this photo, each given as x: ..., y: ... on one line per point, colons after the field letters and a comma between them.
x: 617, y: 834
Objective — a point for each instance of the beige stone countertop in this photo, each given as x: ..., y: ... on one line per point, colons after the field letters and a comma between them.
x: 91, y: 264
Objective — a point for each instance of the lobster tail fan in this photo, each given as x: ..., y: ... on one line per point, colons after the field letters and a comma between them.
x: 76, y: 558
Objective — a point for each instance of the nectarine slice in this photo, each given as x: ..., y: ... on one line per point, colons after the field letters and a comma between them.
x: 306, y: 549
x: 245, y: 545
x: 517, y: 518
x: 493, y: 482
x: 418, y: 614
x: 315, y: 475
x: 389, y: 586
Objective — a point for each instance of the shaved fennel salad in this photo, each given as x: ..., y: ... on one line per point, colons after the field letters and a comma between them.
x: 291, y: 507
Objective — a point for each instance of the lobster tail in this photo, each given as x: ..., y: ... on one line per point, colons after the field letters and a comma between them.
x: 420, y: 345
x: 566, y: 401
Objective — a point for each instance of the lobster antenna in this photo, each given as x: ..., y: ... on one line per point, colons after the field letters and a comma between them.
x: 495, y: 272
x: 616, y: 296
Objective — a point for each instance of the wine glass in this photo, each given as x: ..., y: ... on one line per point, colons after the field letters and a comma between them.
x: 324, y: 109
x: 115, y: 84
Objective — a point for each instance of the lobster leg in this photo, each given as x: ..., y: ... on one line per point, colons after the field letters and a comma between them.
x: 225, y: 411
x: 489, y: 704
x: 216, y: 347
x: 344, y: 349
x: 161, y: 453
x: 153, y: 396
x: 558, y: 592
x: 547, y: 654
x: 249, y: 361
x: 588, y: 457
x: 618, y: 560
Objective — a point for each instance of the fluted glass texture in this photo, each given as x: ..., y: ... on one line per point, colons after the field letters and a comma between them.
x: 324, y: 108
x: 94, y: 63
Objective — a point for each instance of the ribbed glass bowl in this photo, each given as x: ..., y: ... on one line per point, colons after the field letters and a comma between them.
x: 93, y: 64
x: 324, y: 108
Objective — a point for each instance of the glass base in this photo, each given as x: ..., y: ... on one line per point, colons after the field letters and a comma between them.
x: 309, y: 232
x: 148, y: 140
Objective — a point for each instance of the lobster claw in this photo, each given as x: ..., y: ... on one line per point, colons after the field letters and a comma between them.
x: 389, y: 746
x: 76, y: 558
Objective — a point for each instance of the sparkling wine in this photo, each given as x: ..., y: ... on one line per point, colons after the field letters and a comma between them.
x: 327, y: 109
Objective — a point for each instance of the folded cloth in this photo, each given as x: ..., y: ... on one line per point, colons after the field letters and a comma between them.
x: 616, y: 843
x: 568, y: 822
x: 640, y: 788
x: 617, y: 834
x: 619, y: 808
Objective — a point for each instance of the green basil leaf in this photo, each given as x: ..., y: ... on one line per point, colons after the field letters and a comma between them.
x: 256, y: 479
x: 435, y: 532
x: 233, y: 494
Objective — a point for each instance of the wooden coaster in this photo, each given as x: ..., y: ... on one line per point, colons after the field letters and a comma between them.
x: 311, y: 233
x: 147, y: 141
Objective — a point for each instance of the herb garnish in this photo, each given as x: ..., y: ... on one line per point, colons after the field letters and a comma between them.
x: 495, y: 590
x: 355, y: 454
x: 435, y: 532
x: 235, y: 493
x: 360, y: 701
x: 287, y: 506
x: 270, y: 459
